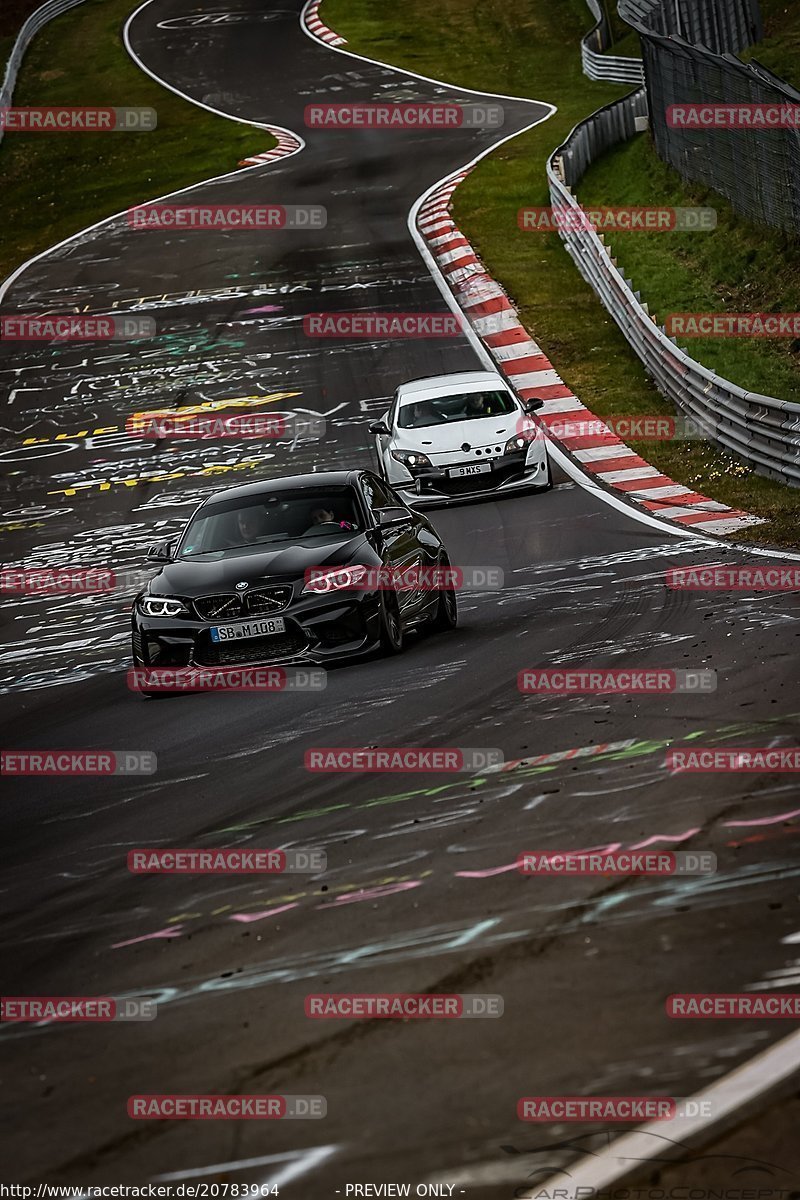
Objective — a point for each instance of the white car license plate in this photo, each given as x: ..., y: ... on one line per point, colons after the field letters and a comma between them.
x: 248, y: 629
x: 472, y: 469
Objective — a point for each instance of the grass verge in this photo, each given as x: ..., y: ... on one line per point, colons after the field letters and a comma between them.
x: 780, y: 48
x: 736, y: 267
x: 532, y: 49
x: 56, y: 184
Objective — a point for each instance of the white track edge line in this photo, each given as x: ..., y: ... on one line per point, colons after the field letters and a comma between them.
x: 742, y: 1086
x: 268, y: 128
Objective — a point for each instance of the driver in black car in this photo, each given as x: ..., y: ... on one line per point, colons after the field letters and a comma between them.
x: 249, y: 526
x: 326, y: 516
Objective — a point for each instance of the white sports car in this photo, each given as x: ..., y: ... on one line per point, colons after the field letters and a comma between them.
x: 460, y: 436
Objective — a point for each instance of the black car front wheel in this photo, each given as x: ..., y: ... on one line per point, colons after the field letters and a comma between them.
x: 445, y: 614
x: 391, y: 624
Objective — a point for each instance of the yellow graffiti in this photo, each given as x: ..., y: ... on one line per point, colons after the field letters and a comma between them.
x: 185, y: 411
x: 194, y: 410
x: 104, y: 485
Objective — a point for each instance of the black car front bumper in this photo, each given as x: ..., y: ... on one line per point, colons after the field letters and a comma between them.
x: 320, y: 628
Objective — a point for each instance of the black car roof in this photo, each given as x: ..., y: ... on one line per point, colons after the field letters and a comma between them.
x: 287, y: 482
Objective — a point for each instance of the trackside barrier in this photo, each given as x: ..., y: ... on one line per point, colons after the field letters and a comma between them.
x: 689, y: 49
x: 35, y: 22
x: 761, y: 430
x: 608, y: 67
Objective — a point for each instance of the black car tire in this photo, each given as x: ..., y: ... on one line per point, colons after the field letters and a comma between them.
x: 446, y: 612
x: 391, y: 624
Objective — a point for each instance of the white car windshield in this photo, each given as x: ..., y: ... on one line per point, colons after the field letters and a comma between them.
x: 448, y: 409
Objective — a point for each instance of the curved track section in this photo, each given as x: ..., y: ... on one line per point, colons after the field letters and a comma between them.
x: 421, y: 893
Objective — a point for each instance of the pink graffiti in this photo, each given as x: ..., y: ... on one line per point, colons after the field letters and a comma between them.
x: 388, y: 889
x: 172, y: 932
x: 787, y: 816
x: 609, y: 849
x: 665, y: 837
x: 246, y: 918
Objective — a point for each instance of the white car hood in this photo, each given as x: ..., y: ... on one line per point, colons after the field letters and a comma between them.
x: 447, y: 439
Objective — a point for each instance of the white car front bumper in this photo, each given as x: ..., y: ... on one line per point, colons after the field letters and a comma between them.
x: 508, y: 473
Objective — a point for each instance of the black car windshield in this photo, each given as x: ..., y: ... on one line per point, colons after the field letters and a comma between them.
x: 446, y: 410
x: 263, y: 519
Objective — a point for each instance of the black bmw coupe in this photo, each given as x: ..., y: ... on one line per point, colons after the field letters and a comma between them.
x: 309, y: 568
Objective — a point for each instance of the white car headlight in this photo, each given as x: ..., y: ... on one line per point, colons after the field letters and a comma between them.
x: 529, y: 432
x: 411, y: 458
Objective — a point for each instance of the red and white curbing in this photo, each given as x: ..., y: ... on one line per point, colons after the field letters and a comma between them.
x: 288, y: 143
x: 600, y: 454
x: 315, y: 26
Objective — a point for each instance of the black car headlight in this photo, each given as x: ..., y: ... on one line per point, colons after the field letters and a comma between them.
x: 337, y: 579
x: 163, y: 606
x: 412, y: 458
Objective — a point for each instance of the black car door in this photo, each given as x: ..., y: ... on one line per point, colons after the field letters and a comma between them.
x: 401, y: 548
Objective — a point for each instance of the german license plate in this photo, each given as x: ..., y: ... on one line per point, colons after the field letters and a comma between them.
x: 247, y: 629
x: 472, y: 469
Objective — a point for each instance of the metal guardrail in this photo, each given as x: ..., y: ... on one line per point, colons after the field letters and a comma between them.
x: 761, y: 430
x: 35, y: 22
x: 608, y: 67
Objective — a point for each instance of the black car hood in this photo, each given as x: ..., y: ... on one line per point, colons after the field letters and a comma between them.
x: 281, y: 562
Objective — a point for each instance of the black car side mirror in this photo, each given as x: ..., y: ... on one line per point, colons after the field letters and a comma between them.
x: 390, y: 518
x: 532, y: 404
x: 161, y: 552
x: 379, y: 427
